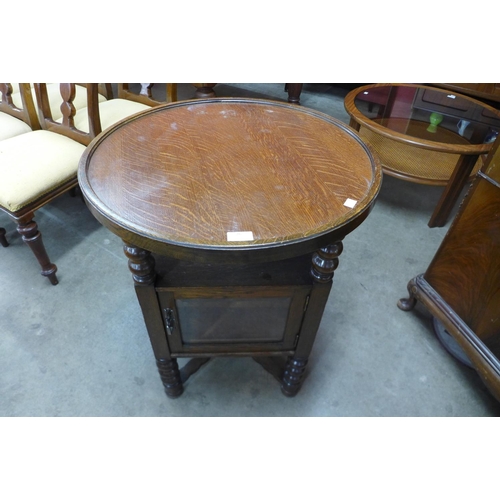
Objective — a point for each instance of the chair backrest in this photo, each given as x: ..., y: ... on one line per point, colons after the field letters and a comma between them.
x: 105, y: 89
x: 144, y: 95
x: 28, y: 111
x: 67, y: 126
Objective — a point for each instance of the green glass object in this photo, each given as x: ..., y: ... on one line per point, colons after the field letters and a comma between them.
x: 435, y: 119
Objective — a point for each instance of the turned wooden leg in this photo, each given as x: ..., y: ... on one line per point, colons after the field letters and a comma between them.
x: 3, y: 239
x: 407, y: 304
x: 170, y: 376
x: 28, y: 229
x: 142, y: 266
x: 204, y: 90
x: 293, y: 376
x: 294, y: 90
x: 324, y: 263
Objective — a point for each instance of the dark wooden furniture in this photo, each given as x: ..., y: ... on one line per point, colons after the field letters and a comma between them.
x: 26, y: 113
x: 461, y: 286
x: 486, y: 91
x: 232, y: 213
x: 38, y: 166
x: 425, y: 135
x: 204, y: 90
x: 294, y: 90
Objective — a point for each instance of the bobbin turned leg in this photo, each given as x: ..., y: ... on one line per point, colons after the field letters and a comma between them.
x: 142, y: 266
x: 293, y: 376
x: 204, y: 90
x: 3, y: 239
x: 324, y: 263
x: 28, y: 229
x: 170, y: 376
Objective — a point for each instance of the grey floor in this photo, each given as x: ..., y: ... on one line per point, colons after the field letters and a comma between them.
x: 81, y: 348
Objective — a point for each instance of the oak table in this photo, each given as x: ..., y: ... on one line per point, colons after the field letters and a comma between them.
x: 232, y: 213
x: 425, y: 135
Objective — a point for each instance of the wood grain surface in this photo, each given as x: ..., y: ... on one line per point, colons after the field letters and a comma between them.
x: 466, y: 269
x: 191, y: 172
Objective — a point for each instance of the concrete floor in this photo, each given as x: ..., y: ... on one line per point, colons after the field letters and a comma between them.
x: 81, y: 348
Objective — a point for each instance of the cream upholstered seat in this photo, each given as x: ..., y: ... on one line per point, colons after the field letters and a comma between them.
x: 110, y: 112
x: 10, y: 126
x: 16, y: 117
x: 33, y: 164
x: 38, y: 166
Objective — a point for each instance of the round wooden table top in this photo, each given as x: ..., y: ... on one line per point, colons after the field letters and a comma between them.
x: 229, y: 174
x: 425, y: 117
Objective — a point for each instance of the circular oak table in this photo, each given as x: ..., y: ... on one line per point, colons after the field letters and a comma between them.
x: 232, y: 213
x: 425, y: 135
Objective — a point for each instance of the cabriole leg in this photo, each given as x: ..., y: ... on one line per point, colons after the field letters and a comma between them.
x: 407, y: 304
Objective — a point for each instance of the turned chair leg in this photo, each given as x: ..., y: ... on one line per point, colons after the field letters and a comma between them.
x: 28, y: 229
x: 3, y: 239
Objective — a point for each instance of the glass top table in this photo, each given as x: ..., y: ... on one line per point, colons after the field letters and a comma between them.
x: 425, y: 135
x: 244, y: 204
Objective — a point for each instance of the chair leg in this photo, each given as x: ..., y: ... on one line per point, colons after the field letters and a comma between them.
x: 3, y: 239
x: 28, y: 229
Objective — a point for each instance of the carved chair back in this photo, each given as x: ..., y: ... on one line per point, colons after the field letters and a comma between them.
x: 67, y: 127
x: 28, y: 112
x: 104, y: 89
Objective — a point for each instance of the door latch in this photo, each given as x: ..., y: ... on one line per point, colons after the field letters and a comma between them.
x: 169, y: 320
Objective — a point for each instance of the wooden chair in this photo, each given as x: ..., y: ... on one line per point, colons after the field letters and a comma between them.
x: 15, y: 120
x: 110, y: 111
x: 17, y: 116
x: 54, y: 96
x: 145, y: 94
x: 38, y: 166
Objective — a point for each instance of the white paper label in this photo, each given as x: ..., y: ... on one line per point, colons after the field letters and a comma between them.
x: 239, y: 236
x: 350, y: 203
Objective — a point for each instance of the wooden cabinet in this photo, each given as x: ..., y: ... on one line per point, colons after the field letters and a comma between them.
x: 488, y: 91
x: 455, y: 105
x: 461, y: 287
x: 256, y: 307
x: 232, y: 213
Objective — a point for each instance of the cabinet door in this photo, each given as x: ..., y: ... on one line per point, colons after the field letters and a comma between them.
x: 233, y: 319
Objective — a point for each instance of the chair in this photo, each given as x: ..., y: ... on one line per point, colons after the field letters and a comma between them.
x: 16, y: 116
x: 54, y: 96
x: 38, y: 166
x: 15, y: 120
x: 111, y: 111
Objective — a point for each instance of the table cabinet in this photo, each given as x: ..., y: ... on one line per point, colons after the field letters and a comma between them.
x: 232, y: 213
x: 257, y: 307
